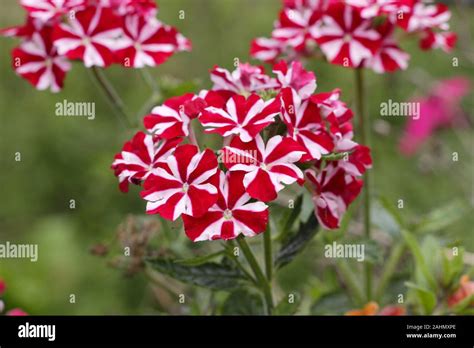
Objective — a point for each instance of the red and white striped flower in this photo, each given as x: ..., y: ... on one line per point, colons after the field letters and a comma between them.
x: 296, y: 77
x: 334, y: 191
x: 444, y: 40
x: 265, y: 49
x: 332, y: 108
x: 233, y: 214
x: 144, y: 8
x: 268, y: 166
x: 182, y: 186
x: 345, y: 37
x: 139, y: 157
x: 146, y: 42
x: 244, y: 79
x: 295, y: 27
x: 172, y: 119
x: 358, y: 161
x: 423, y: 16
x: 37, y: 61
x: 305, y: 125
x: 46, y: 10
x: 244, y: 117
x: 389, y: 56
x: 91, y: 36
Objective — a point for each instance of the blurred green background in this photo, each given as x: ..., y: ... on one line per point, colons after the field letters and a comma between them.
x: 64, y: 158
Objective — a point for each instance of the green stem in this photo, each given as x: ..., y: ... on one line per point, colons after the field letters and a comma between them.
x: 390, y: 268
x: 364, y: 139
x: 267, y: 245
x: 111, y: 95
x: 265, y: 286
x: 347, y: 275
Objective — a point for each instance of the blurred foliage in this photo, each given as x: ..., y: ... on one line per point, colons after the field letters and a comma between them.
x: 69, y: 158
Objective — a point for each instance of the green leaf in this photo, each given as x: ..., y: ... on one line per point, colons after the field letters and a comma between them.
x: 462, y: 306
x: 426, y: 298
x: 336, y: 156
x: 243, y: 302
x: 210, y: 275
x: 419, y: 259
x: 334, y: 304
x: 298, y: 242
x: 385, y: 217
x: 289, y: 219
x: 285, y: 307
x: 452, y: 267
x: 199, y: 260
x: 440, y: 218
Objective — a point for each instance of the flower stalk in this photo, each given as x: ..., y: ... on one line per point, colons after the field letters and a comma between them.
x: 264, y: 284
x: 364, y: 139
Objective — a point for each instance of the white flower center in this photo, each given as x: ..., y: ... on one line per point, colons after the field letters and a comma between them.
x: 138, y: 46
x: 264, y: 166
x: 86, y: 41
x: 347, y: 37
x: 185, y: 187
x: 227, y: 214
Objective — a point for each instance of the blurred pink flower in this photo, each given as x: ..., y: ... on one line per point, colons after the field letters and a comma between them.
x: 12, y: 312
x: 439, y: 109
x: 16, y: 312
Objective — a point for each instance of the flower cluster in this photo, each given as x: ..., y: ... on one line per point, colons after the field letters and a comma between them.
x: 355, y: 33
x: 273, y: 129
x: 96, y: 32
x: 11, y: 312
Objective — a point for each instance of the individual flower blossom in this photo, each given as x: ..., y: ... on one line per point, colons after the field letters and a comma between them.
x: 16, y: 312
x: 441, y: 108
x: 345, y: 37
x: 358, y: 161
x: 139, y: 157
x: 296, y: 77
x: 182, y: 186
x: 423, y: 16
x: 146, y: 42
x: 37, y: 61
x: 244, y: 117
x: 372, y: 308
x: 332, y: 107
x: 465, y: 290
x: 46, y: 10
x: 296, y: 27
x: 335, y: 189
x: 233, y: 214
x: 388, y: 57
x: 171, y: 119
x: 444, y: 40
x: 304, y: 124
x: 144, y: 8
x: 244, y: 79
x: 373, y: 8
x: 91, y: 35
x: 266, y: 50
x: 25, y: 31
x: 268, y: 167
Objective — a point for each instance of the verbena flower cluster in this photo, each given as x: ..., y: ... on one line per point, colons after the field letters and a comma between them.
x: 355, y: 33
x: 96, y: 32
x: 274, y: 129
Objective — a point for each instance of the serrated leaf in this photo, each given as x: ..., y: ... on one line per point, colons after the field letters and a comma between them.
x: 243, y: 302
x: 426, y: 298
x: 199, y: 260
x: 298, y: 242
x: 210, y: 275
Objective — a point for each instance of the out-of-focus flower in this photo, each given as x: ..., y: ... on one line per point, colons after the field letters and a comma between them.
x: 37, y: 61
x: 440, y: 109
x: 372, y: 308
x: 465, y: 290
x: 11, y: 312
